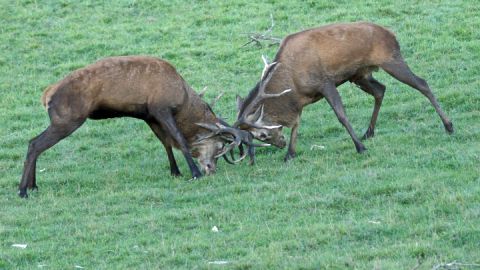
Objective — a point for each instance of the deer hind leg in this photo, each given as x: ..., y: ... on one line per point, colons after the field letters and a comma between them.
x: 48, y: 138
x: 400, y: 71
x: 377, y: 90
x: 157, y: 129
x: 330, y: 92
x: 166, y: 120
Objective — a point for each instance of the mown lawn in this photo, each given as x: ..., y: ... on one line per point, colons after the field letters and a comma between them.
x: 106, y: 198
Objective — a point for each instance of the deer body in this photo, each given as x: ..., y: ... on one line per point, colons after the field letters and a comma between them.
x: 143, y: 87
x: 312, y: 64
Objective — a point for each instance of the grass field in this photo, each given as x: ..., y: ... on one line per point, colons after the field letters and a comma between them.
x: 106, y: 199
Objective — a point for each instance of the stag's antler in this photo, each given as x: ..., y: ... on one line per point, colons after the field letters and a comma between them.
x: 212, y: 103
x: 267, y: 74
x: 236, y: 137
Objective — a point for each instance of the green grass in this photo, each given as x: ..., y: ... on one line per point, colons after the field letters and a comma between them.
x: 107, y: 201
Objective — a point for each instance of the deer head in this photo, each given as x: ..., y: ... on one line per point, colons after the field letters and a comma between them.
x: 251, y: 115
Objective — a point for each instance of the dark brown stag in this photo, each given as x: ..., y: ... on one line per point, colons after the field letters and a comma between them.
x: 142, y: 87
x: 310, y: 65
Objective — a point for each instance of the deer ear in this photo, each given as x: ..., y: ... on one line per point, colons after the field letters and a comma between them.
x: 239, y: 102
x: 258, y: 115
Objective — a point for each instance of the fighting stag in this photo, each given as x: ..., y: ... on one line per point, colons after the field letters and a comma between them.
x: 310, y: 65
x: 142, y: 87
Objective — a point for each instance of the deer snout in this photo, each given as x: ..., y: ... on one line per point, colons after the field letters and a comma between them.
x: 279, y: 141
x: 282, y: 142
x: 209, y: 168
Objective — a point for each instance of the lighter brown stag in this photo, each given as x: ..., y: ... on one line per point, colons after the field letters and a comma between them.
x: 309, y: 66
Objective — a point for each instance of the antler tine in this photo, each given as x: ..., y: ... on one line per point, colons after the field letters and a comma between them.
x: 265, y: 60
x: 202, y: 93
x: 240, y: 137
x: 240, y: 147
x: 228, y: 160
x: 237, y: 137
x: 267, y: 74
x: 267, y: 66
x: 227, y: 149
x: 208, y: 126
x: 199, y: 140
x: 234, y: 161
x: 247, y: 142
x: 242, y: 120
x: 227, y: 138
x: 277, y: 94
x: 232, y: 156
x: 261, y: 96
x: 237, y: 140
x: 214, y: 129
x: 244, y: 155
x: 214, y: 101
x: 261, y: 91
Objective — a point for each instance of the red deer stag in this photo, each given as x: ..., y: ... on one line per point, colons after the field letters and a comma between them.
x: 310, y: 65
x: 142, y: 87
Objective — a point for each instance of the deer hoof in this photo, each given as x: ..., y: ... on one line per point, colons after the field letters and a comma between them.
x: 368, y: 134
x: 196, y: 176
x: 449, y: 128
x: 175, y: 174
x: 289, y: 157
x: 361, y: 149
x: 23, y: 193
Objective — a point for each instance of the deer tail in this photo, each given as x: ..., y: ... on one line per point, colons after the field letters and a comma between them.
x: 47, y: 94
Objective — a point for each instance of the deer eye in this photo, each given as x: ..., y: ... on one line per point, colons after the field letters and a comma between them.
x: 263, y: 135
